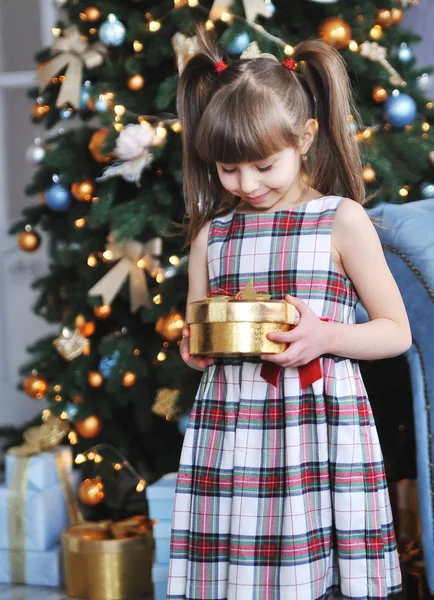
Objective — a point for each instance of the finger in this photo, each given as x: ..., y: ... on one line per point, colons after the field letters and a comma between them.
x: 301, y: 306
x: 284, y: 337
x: 186, y: 332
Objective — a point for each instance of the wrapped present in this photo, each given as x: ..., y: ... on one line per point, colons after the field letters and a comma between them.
x: 160, y: 575
x: 161, y: 497
x: 231, y: 326
x: 109, y: 561
x: 42, y: 469
x: 31, y: 567
x: 162, y: 531
x: 34, y: 519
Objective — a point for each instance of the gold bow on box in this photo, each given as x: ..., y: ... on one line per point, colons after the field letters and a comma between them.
x: 40, y: 439
x: 225, y: 325
x: 135, y: 258
x: 109, y: 561
x: 73, y: 52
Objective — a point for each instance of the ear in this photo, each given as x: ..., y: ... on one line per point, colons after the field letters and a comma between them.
x: 308, y: 135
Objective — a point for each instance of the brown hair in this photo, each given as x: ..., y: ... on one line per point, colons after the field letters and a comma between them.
x: 256, y: 108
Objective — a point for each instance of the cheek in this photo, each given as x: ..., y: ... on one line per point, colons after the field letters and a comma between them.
x: 227, y: 181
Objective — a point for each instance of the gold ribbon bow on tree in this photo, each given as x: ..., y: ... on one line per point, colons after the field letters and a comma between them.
x: 252, y: 8
x: 73, y: 52
x: 134, y: 259
x: 373, y: 51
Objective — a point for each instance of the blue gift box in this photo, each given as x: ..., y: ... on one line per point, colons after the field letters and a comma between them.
x: 40, y: 568
x: 42, y: 471
x: 45, y: 516
x: 162, y: 531
x: 161, y: 497
x: 160, y: 575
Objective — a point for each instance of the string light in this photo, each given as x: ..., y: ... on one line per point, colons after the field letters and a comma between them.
x: 117, y: 466
x: 138, y: 46
x: 157, y: 299
x: 376, y: 32
x: 92, y: 260
x: 45, y: 414
x: 58, y: 398
x: 80, y: 459
x: 56, y: 31
x: 63, y: 415
x: 91, y: 455
x: 107, y: 255
x: 425, y: 126
x: 193, y: 3
x: 80, y: 223
x: 174, y: 260
x: 118, y: 126
x: 289, y: 50
x: 57, y: 388
x: 161, y: 356
x: 353, y: 46
x: 209, y: 25
x: 98, y: 458
x: 73, y: 438
x: 403, y: 192
x: 154, y: 26
x: 226, y: 17
x: 176, y: 127
x: 119, y: 109
x: 141, y: 485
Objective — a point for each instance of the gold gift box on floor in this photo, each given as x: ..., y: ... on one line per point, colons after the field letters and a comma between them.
x: 100, y: 568
x: 233, y: 326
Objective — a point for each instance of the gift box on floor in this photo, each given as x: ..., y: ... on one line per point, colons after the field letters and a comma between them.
x: 230, y: 326
x: 101, y: 567
x: 160, y: 574
x: 42, y: 469
x: 31, y: 567
x: 162, y: 531
x: 161, y: 497
x: 42, y: 515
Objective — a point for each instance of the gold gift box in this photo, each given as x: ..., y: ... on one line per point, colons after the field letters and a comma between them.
x: 100, y: 568
x: 225, y: 326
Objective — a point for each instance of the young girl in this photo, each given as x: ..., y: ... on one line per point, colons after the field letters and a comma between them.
x: 281, y: 493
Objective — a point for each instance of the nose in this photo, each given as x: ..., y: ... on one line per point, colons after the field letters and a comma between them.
x: 248, y: 183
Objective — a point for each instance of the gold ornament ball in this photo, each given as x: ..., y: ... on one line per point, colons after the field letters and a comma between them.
x: 129, y: 379
x: 397, y: 15
x: 136, y: 82
x: 95, y: 379
x: 91, y: 491
x: 92, y: 13
x: 383, y: 17
x: 83, y: 190
x: 379, y: 94
x: 103, y: 311
x: 170, y: 327
x: 80, y: 321
x: 87, y: 329
x: 368, y: 174
x: 35, y: 386
x: 39, y: 110
x: 96, y: 143
x: 336, y: 32
x: 90, y: 427
x: 29, y: 241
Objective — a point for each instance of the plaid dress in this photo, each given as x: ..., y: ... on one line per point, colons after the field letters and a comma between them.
x: 281, y: 492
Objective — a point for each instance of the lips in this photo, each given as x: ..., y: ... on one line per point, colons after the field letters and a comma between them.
x: 257, y: 198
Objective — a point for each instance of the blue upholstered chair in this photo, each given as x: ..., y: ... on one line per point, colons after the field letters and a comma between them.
x: 407, y: 234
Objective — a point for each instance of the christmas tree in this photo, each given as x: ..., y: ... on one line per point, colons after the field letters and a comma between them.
x: 110, y: 183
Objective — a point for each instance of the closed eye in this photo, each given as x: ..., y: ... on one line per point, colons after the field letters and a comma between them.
x: 260, y: 169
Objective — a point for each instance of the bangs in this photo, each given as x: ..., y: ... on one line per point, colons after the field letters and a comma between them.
x: 229, y: 134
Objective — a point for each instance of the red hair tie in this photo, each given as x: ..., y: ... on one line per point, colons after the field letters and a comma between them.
x: 290, y: 63
x: 220, y: 66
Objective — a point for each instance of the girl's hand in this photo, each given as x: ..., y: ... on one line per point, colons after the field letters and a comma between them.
x: 306, y: 342
x: 195, y: 362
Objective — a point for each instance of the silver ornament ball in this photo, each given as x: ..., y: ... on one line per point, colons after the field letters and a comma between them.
x: 35, y: 154
x: 427, y: 190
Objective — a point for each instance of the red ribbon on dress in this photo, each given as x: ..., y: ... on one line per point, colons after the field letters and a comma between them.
x: 307, y: 374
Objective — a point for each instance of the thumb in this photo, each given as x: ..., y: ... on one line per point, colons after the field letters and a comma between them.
x: 301, y: 306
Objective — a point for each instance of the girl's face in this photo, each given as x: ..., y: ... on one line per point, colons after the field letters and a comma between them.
x: 266, y: 183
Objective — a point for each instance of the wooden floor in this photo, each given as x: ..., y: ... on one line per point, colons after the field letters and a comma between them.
x: 19, y: 592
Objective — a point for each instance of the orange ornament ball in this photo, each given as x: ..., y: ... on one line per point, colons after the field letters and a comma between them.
x: 35, y: 386
x: 88, y: 329
x: 397, y: 15
x: 383, y: 17
x: 368, y: 174
x: 39, y: 110
x: 136, y: 82
x: 92, y: 13
x: 96, y: 143
x: 129, y: 379
x: 95, y: 379
x: 83, y: 190
x: 91, y: 491
x: 379, y: 94
x: 170, y: 327
x: 336, y: 32
x: 28, y: 240
x: 103, y: 311
x: 89, y: 427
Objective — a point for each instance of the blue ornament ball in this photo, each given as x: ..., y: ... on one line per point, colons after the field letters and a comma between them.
x: 58, y: 197
x: 270, y: 8
x: 239, y: 43
x: 85, y: 94
x: 400, y: 109
x: 101, y: 104
x: 405, y: 53
x: 66, y: 113
x: 427, y: 190
x: 107, y: 363
x: 72, y: 410
x: 182, y: 423
x: 112, y: 32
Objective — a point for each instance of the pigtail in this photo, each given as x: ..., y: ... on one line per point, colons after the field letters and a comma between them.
x: 335, y: 161
x: 197, y: 83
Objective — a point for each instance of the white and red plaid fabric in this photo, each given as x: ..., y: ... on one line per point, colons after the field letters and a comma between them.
x: 281, y: 492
